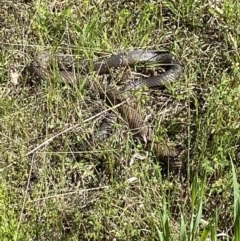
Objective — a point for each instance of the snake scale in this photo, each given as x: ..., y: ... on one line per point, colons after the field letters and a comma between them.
x: 173, y: 69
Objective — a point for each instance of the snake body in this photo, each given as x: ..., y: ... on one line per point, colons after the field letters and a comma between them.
x: 39, y: 67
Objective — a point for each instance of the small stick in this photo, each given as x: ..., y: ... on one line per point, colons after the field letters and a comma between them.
x: 71, y: 128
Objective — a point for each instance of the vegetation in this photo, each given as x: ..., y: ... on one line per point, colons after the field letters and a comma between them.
x: 54, y: 186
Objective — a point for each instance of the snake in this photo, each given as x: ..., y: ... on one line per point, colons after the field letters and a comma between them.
x: 39, y: 67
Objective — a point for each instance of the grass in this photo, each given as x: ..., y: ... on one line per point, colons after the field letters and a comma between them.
x: 116, y: 190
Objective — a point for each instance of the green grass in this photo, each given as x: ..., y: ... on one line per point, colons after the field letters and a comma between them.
x: 116, y: 190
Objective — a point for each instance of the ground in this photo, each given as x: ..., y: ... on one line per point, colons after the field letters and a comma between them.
x: 55, y: 186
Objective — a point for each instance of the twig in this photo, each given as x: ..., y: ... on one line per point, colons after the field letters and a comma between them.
x: 78, y: 191
x: 70, y: 128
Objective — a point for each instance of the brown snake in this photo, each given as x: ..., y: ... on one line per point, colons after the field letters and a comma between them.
x: 39, y: 68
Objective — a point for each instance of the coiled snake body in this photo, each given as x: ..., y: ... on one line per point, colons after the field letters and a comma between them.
x: 103, y: 66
